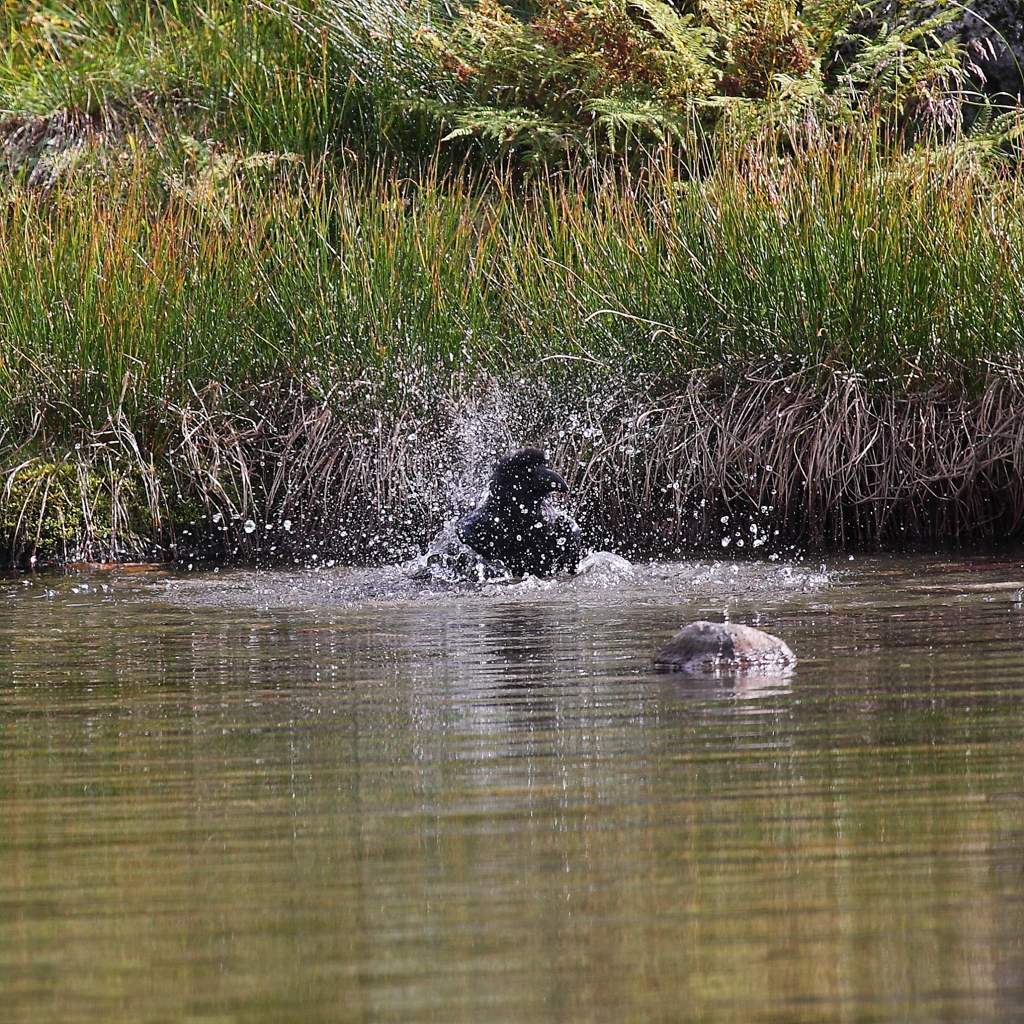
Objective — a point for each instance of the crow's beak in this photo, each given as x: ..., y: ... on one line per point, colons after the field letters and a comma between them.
x: 552, y: 479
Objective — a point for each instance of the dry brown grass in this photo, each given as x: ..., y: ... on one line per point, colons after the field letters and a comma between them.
x: 817, y: 461
x: 820, y: 462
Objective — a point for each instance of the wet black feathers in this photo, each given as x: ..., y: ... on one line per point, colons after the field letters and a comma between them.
x: 516, y: 524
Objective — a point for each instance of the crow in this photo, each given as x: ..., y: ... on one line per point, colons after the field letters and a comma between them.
x: 517, y: 526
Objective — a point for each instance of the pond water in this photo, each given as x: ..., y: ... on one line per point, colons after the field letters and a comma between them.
x: 267, y: 798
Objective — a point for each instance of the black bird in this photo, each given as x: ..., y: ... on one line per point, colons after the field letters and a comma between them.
x: 517, y: 526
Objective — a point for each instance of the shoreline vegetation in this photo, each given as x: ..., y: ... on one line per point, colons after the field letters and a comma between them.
x: 279, y: 282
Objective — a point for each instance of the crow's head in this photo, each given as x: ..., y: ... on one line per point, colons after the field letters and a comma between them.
x: 525, y: 477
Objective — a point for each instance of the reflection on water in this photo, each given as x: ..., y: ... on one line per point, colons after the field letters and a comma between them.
x: 334, y: 796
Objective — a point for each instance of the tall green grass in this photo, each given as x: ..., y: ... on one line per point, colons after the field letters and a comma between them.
x: 901, y: 269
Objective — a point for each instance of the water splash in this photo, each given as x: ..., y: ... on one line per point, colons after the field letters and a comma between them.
x: 700, y: 589
x: 482, y: 431
x: 448, y: 560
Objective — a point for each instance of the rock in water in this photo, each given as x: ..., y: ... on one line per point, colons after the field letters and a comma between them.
x: 703, y: 647
x: 517, y: 526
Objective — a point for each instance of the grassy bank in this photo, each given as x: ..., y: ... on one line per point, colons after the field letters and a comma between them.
x: 227, y: 332
x: 242, y: 341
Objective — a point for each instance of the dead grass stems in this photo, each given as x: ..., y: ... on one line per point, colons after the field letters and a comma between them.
x: 762, y: 465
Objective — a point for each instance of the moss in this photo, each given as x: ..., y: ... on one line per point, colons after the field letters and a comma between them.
x: 66, y: 511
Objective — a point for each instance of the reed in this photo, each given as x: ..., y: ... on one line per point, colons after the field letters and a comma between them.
x: 237, y: 269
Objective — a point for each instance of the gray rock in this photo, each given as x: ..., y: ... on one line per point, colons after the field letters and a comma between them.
x: 991, y: 33
x: 709, y: 647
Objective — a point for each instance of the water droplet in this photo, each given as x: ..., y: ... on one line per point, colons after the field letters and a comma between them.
x: 248, y: 526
